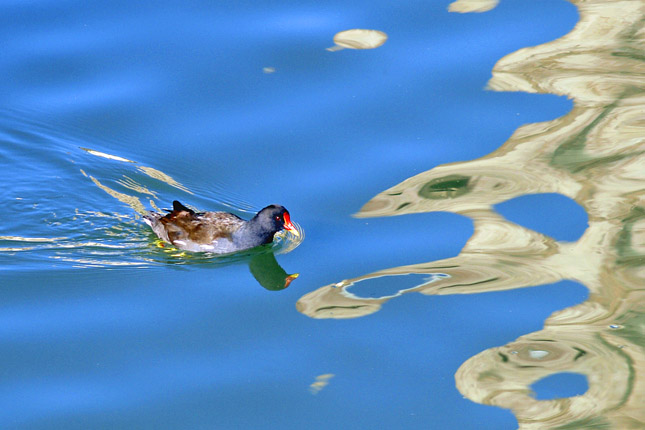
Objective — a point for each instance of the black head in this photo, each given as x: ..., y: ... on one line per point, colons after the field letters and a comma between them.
x: 275, y: 218
x: 260, y: 229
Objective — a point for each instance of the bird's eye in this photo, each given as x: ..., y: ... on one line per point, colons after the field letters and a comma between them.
x: 277, y: 218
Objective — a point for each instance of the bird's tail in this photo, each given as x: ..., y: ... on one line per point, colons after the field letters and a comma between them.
x: 152, y: 218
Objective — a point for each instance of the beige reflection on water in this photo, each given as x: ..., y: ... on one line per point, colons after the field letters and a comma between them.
x: 358, y: 38
x: 595, y: 155
x: 131, y: 184
x: 464, y: 6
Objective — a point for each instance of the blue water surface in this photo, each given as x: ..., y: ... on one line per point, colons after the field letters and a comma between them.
x: 180, y: 87
x: 560, y: 385
x: 551, y: 214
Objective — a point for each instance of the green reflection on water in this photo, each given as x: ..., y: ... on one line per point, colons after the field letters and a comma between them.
x: 571, y: 154
x: 448, y: 187
x: 594, y: 423
x: 266, y: 270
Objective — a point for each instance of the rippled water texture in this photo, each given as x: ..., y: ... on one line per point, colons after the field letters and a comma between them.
x: 67, y: 232
x: 596, y: 156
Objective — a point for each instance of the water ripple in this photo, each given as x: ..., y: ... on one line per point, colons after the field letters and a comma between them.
x: 96, y: 222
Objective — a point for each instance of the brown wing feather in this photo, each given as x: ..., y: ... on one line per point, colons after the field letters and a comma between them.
x: 201, y: 228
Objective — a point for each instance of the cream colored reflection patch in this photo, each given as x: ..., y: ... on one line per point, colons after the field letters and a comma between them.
x: 358, y: 39
x: 134, y: 186
x: 131, y: 201
x: 152, y: 172
x: 320, y: 383
x: 157, y: 174
x: 465, y: 6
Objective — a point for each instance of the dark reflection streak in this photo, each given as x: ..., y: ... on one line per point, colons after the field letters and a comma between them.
x: 581, y: 353
x: 326, y: 308
x: 468, y: 284
x: 439, y: 267
x: 403, y: 205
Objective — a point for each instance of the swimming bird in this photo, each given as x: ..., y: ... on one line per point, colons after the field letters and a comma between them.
x: 218, y: 232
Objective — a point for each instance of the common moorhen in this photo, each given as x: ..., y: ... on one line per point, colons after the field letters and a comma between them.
x: 218, y: 232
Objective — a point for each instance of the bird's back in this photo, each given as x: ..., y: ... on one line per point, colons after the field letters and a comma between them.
x: 186, y: 229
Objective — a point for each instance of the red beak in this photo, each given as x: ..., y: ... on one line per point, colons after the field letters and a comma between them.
x: 288, y: 225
